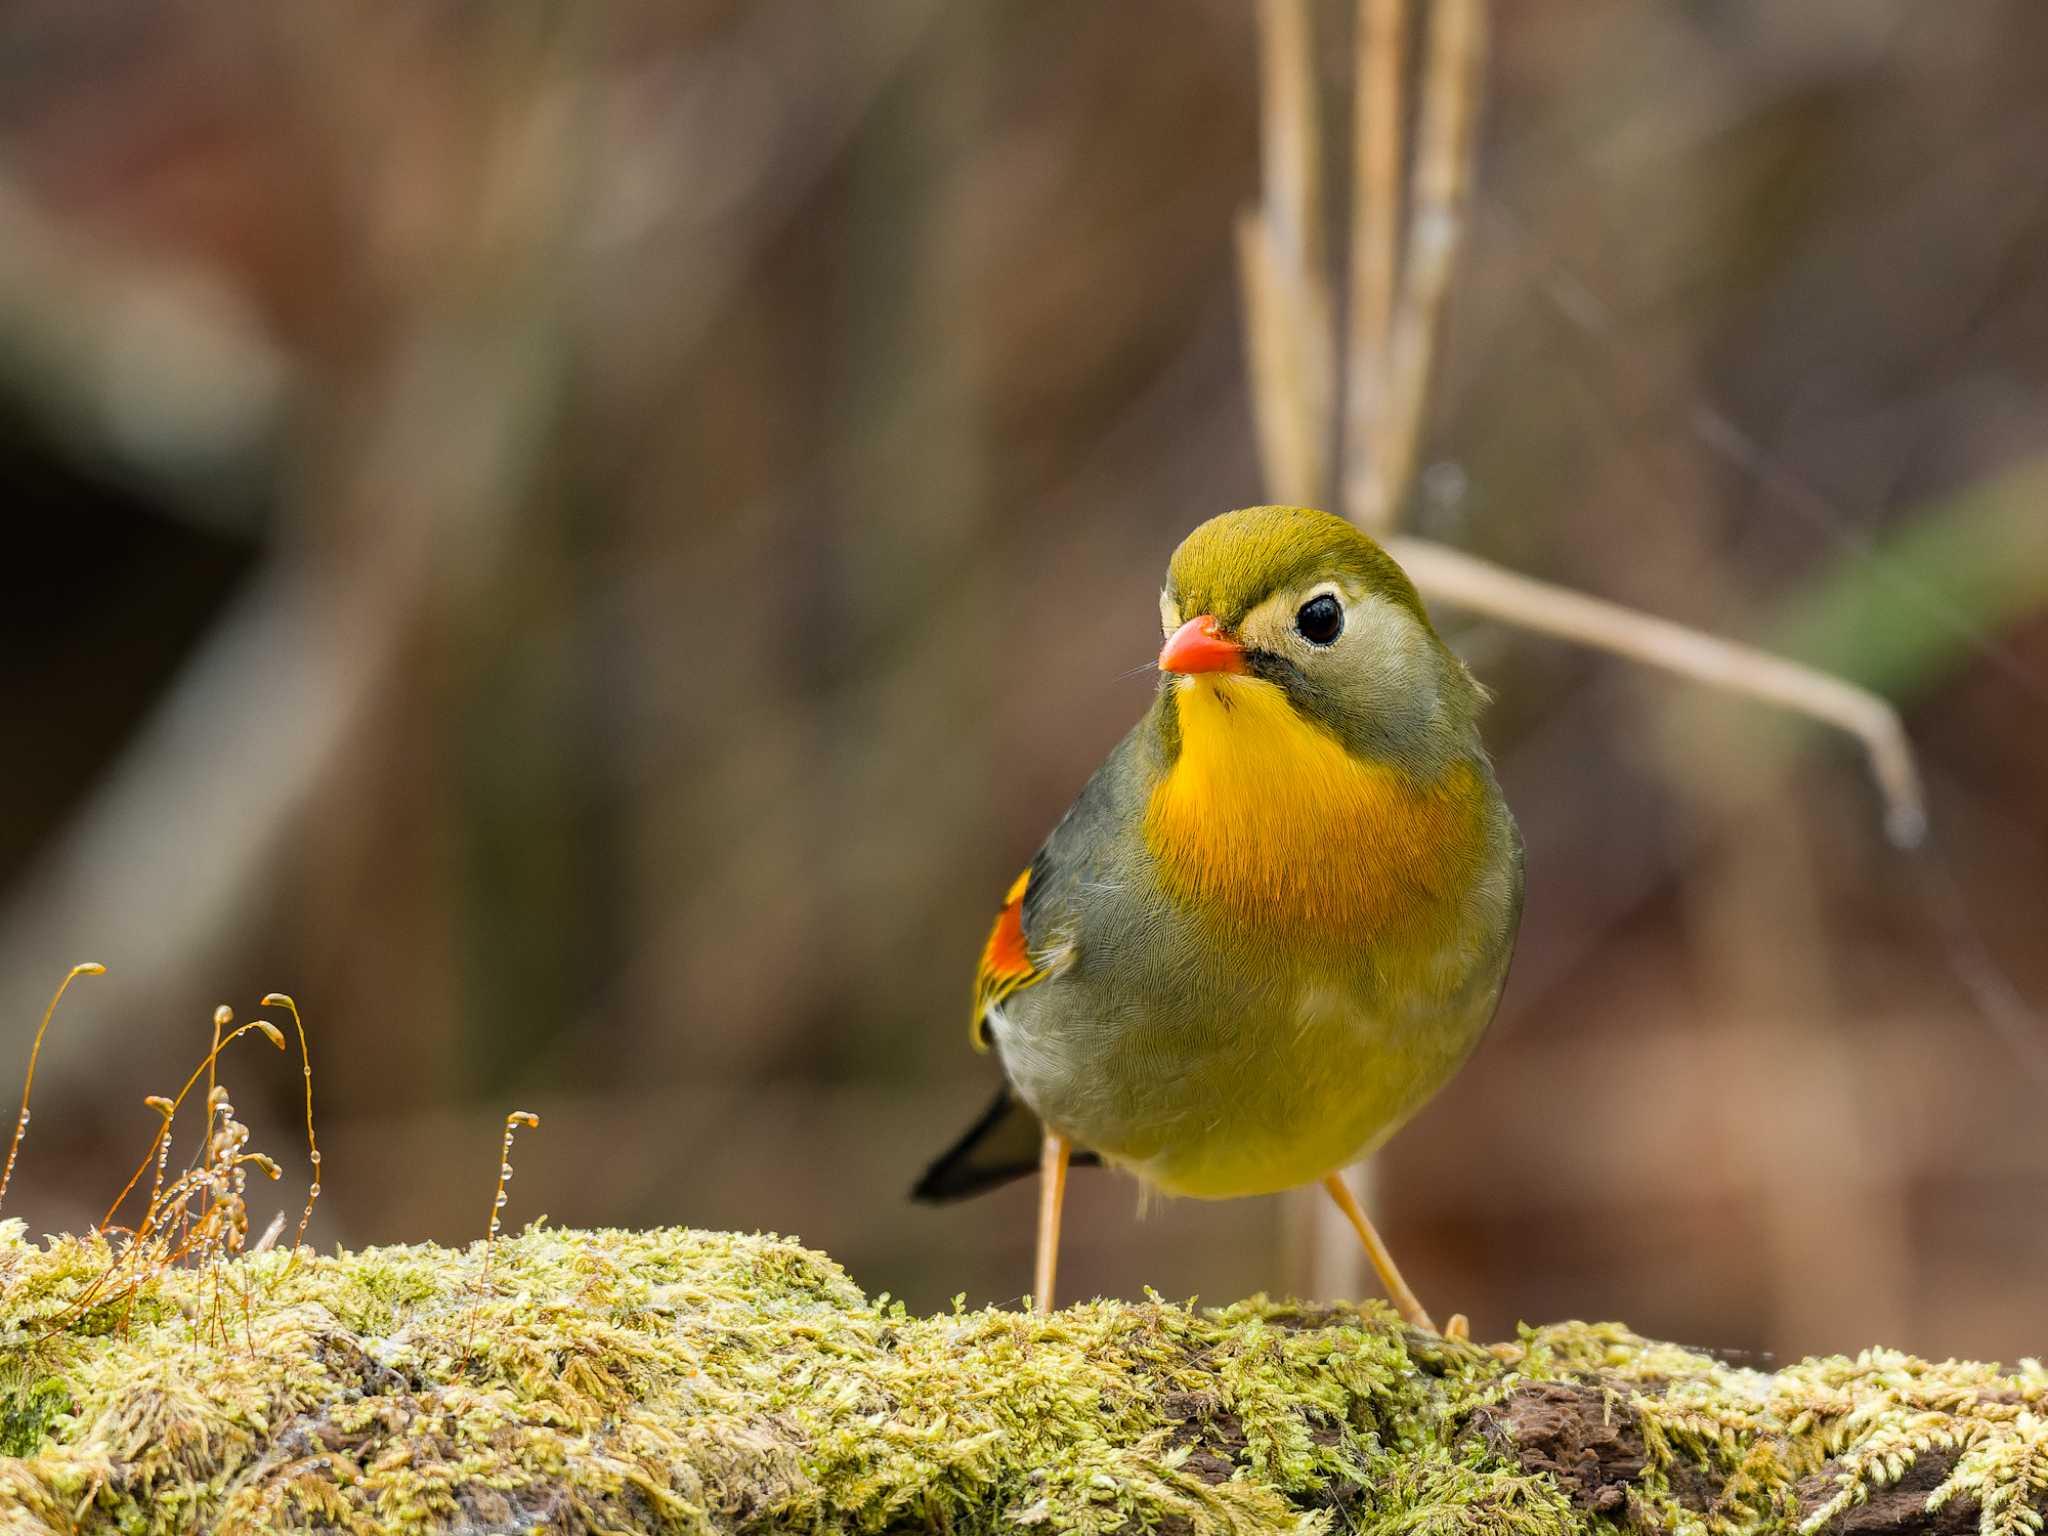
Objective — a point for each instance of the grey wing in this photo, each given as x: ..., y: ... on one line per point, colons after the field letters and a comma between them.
x: 1087, y: 850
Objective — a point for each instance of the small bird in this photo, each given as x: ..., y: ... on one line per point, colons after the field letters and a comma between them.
x: 1277, y: 919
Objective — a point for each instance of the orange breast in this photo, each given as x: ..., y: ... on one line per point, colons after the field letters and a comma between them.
x: 1269, y: 824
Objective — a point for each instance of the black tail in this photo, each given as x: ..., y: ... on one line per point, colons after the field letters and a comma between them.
x: 1002, y: 1145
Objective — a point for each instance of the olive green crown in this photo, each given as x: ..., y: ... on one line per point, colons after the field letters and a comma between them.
x: 1232, y: 563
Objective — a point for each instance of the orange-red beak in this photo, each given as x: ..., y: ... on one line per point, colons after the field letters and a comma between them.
x: 1201, y: 646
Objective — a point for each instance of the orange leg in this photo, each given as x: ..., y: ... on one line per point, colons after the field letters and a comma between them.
x: 1382, y: 1261
x: 1052, y: 1197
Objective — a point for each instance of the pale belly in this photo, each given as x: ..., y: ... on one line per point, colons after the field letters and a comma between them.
x: 1265, y: 1092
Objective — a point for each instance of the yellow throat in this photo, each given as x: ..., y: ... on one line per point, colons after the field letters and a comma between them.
x: 1267, y: 822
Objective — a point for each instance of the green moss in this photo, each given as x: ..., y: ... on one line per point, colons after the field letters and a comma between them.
x: 689, y: 1381
x: 28, y: 1409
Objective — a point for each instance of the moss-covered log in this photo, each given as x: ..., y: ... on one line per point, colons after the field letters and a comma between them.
x: 675, y: 1380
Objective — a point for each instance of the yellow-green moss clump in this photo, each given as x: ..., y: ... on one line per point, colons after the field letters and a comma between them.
x: 693, y: 1381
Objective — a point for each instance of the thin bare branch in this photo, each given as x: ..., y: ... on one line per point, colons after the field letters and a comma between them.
x: 1453, y: 71
x: 1378, y: 121
x: 1465, y: 581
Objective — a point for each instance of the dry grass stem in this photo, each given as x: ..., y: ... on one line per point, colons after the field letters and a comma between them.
x: 1378, y: 123
x: 1282, y: 251
x: 1454, y: 68
x: 1465, y: 581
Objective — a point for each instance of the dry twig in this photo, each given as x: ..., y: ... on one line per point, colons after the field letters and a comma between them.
x: 1466, y: 581
x: 1395, y: 317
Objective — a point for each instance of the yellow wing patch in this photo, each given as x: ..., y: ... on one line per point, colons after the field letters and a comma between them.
x: 1006, y: 963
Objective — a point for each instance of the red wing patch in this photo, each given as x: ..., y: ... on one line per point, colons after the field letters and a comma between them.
x: 1006, y: 963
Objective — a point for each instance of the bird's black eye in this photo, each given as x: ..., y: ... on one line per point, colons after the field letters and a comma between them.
x: 1320, y: 620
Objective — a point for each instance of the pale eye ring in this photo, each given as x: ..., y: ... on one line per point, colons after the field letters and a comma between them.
x: 1320, y: 620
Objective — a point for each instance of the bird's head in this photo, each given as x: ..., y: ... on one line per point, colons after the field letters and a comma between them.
x: 1299, y: 601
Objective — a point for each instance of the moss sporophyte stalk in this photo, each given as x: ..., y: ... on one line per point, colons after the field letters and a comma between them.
x: 684, y: 1381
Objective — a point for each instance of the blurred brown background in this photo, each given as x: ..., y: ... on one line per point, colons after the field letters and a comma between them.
x: 589, y: 543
